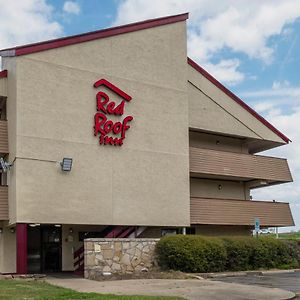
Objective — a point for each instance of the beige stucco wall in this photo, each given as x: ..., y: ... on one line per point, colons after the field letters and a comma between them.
x: 7, y: 249
x: 144, y: 182
x: 71, y: 243
x: 217, y: 142
x: 206, y: 188
x: 212, y: 110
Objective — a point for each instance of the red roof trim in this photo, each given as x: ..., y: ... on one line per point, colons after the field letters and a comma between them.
x: 3, y: 74
x: 237, y: 99
x: 113, y: 88
x: 89, y: 36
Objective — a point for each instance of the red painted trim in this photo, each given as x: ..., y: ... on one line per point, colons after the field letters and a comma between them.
x: 3, y: 74
x: 21, y: 236
x: 113, y: 88
x: 89, y: 36
x: 237, y: 99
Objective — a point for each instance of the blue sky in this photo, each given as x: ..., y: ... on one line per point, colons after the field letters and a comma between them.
x: 253, y: 47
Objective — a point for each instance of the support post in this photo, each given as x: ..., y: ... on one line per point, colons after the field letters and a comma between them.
x: 21, y: 237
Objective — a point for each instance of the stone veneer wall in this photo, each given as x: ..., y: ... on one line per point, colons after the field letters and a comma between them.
x: 118, y: 256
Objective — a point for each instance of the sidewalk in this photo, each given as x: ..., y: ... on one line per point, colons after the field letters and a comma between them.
x: 189, y: 289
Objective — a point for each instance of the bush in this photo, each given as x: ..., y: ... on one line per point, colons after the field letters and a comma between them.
x: 205, y: 254
x: 191, y: 253
x: 240, y: 252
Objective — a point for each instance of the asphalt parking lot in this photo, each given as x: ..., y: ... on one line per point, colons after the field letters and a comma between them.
x: 287, y: 281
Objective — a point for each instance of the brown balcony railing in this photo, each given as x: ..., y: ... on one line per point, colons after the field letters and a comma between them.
x: 240, y: 212
x: 3, y: 87
x: 3, y: 137
x: 208, y: 163
x: 3, y: 203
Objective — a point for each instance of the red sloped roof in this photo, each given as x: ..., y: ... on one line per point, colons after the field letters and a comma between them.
x: 237, y: 99
x: 3, y: 74
x: 71, y: 40
x: 89, y: 36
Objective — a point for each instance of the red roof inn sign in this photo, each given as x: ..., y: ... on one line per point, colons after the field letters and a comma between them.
x: 111, y: 132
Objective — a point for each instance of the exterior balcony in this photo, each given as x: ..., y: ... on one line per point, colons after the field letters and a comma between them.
x: 240, y: 212
x: 3, y: 137
x: 3, y: 83
x: 3, y: 203
x: 256, y: 170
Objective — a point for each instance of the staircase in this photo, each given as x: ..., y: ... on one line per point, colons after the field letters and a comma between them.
x: 79, y: 261
x: 124, y: 232
x: 120, y: 232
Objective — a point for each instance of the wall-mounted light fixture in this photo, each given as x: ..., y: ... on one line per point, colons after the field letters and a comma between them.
x: 1, y: 230
x: 35, y: 225
x: 66, y: 164
x: 220, y: 186
x: 13, y: 230
x: 57, y: 225
x: 71, y: 230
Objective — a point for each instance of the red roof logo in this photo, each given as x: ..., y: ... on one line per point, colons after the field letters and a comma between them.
x: 110, y: 132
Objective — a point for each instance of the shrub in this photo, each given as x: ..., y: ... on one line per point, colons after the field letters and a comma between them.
x: 240, y: 252
x: 191, y: 253
x: 205, y: 254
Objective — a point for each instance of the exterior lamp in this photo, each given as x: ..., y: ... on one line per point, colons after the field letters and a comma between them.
x: 1, y: 230
x: 12, y: 230
x: 35, y: 224
x: 66, y: 164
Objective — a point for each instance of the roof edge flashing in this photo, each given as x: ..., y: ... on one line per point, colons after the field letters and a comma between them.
x: 89, y: 36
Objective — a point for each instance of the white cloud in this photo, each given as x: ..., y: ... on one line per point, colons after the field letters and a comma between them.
x: 280, y: 84
x: 289, y: 124
x: 71, y: 7
x: 263, y: 106
x: 241, y: 26
x: 282, y: 109
x: 225, y: 70
x: 26, y: 21
x: 278, y: 91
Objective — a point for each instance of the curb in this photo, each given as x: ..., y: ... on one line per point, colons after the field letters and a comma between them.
x: 241, y: 273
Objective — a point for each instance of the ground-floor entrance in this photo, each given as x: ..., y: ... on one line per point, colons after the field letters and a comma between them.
x: 44, y: 249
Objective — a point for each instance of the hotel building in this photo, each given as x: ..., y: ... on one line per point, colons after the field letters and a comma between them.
x: 117, y: 133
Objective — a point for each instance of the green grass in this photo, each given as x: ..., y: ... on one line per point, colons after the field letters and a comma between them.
x: 39, y: 290
x: 287, y: 235
x: 290, y: 235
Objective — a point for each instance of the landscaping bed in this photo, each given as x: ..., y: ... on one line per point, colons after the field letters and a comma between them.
x: 206, y: 254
